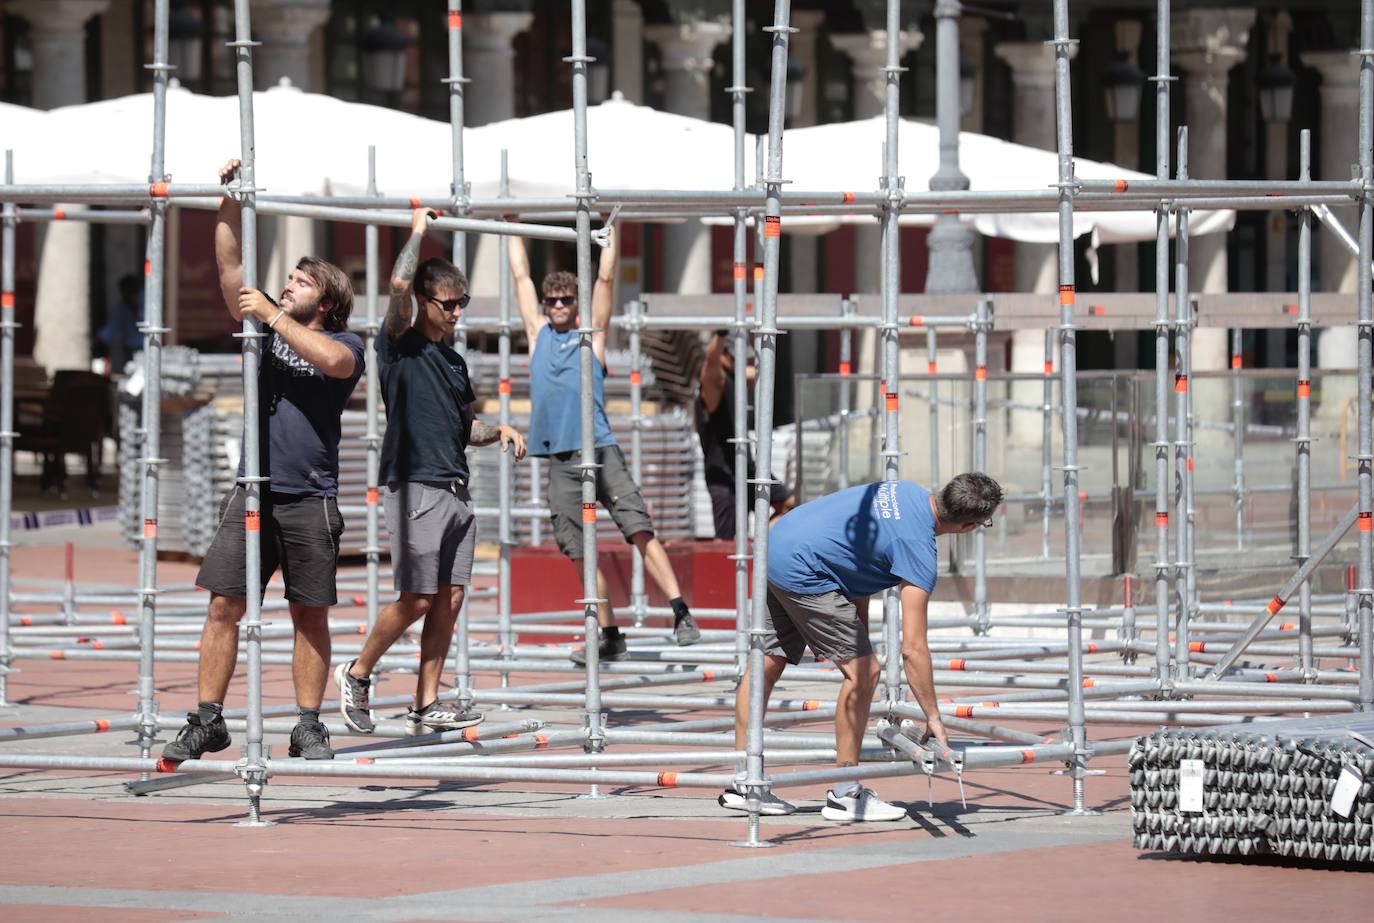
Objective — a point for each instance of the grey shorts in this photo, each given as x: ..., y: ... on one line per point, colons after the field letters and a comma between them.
x: 615, y: 490
x: 828, y: 623
x: 433, y: 535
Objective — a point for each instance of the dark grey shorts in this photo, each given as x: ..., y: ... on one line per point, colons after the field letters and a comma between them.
x: 298, y: 534
x: 828, y: 623
x: 615, y: 490
x: 433, y: 535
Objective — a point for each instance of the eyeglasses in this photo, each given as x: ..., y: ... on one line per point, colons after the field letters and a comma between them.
x: 566, y: 301
x: 451, y: 304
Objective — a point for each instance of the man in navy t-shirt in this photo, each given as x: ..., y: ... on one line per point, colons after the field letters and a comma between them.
x: 310, y: 365
x: 825, y: 559
x: 556, y: 434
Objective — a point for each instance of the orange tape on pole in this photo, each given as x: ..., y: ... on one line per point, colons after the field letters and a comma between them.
x: 150, y: 528
x: 758, y: 277
x: 891, y: 401
x: 252, y: 521
x: 963, y: 711
x: 772, y: 226
x: 455, y: 19
x: 636, y: 378
x: 1180, y: 383
x: 1304, y: 387
x: 58, y: 214
x: 1275, y: 605
x: 1066, y: 295
x: 1028, y: 756
x: 931, y: 368
x: 980, y: 373
x: 917, y: 320
x: 811, y: 705
x: 1197, y: 647
x: 1365, y: 524
x: 147, y: 267
x: 845, y: 368
x: 1189, y: 463
x: 740, y: 273
x: 667, y: 779
x: 589, y: 512
x: 158, y: 190
x: 1049, y: 368
x: 101, y: 725
x: 956, y: 664
x: 1120, y: 186
x: 503, y: 386
x: 6, y: 300
x: 849, y: 198
x: 1235, y: 362
x: 373, y: 494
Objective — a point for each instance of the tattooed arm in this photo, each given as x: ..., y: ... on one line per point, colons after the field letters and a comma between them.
x: 485, y: 434
x: 400, y: 312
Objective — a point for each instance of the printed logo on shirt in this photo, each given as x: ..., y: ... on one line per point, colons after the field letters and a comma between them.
x: 885, y: 501
x: 285, y: 359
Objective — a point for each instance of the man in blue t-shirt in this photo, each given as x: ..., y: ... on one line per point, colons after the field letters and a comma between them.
x: 309, y: 367
x: 825, y: 559
x: 556, y: 434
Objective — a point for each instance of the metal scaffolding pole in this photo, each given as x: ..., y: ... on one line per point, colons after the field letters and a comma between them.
x: 1162, y: 566
x: 846, y: 397
x: 933, y: 369
x: 639, y: 600
x: 7, y: 433
x: 1183, y: 430
x: 1302, y: 442
x: 594, y: 721
x: 374, y: 390
x: 1047, y: 445
x: 738, y: 90
x: 506, y: 472
x: 981, y: 609
x: 1365, y: 452
x: 458, y: 192
x: 253, y: 770
x: 1068, y: 396
x: 1238, y: 433
x: 755, y: 784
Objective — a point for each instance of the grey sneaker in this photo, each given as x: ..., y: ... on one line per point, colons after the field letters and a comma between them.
x: 770, y: 805
x: 685, y: 630
x: 194, y: 739
x: 439, y: 716
x: 353, y: 699
x: 860, y: 806
x: 310, y: 739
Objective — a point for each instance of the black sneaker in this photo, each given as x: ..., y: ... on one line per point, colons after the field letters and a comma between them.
x: 685, y: 630
x: 196, y: 739
x: 353, y: 699
x: 439, y: 716
x: 609, y: 649
x: 310, y: 739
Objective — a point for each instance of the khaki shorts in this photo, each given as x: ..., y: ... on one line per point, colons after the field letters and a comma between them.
x: 615, y: 490
x: 827, y: 623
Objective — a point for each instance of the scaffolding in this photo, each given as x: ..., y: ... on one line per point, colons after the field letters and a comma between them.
x: 1191, y: 682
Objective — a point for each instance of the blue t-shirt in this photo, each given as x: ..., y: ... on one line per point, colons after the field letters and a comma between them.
x: 556, y: 395
x: 859, y: 541
x: 298, y: 411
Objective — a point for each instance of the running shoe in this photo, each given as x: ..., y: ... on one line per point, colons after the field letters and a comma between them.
x: 439, y: 716
x: 685, y: 630
x: 310, y: 739
x: 860, y: 806
x: 195, y: 739
x: 770, y: 805
x: 353, y: 699
x: 609, y: 649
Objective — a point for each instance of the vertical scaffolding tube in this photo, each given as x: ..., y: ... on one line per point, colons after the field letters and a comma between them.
x: 7, y: 434
x: 1366, y: 334
x: 767, y: 341
x: 254, y: 769
x: 506, y: 527
x: 890, y: 284
x: 593, y: 720
x: 374, y: 392
x: 932, y: 369
x: 1162, y: 565
x: 152, y: 391
x: 458, y: 198
x: 1047, y: 445
x: 980, y: 461
x: 740, y: 341
x: 1238, y: 433
x: 846, y: 398
x: 1183, y: 412
x: 639, y: 599
x: 1303, y: 441
x: 1068, y: 395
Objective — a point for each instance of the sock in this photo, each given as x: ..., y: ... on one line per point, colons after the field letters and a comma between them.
x: 210, y: 712
x: 311, y: 715
x: 610, y: 632
x: 843, y: 789
x: 680, y: 610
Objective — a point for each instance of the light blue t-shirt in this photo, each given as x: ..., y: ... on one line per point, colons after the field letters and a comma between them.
x: 859, y: 541
x: 555, y: 393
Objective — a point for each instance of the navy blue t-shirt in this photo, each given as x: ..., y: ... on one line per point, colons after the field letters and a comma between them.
x: 556, y: 395
x: 298, y: 410
x: 427, y: 391
x: 859, y: 541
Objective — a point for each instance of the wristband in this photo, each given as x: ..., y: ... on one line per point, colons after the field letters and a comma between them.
x: 272, y: 324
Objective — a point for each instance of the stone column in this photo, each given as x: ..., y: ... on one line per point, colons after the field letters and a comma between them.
x: 489, y: 59
x: 627, y: 50
x: 685, y: 51
x: 868, y: 56
x: 1207, y: 43
x: 284, y: 27
x: 1036, y: 265
x: 62, y: 309
x: 1338, y: 148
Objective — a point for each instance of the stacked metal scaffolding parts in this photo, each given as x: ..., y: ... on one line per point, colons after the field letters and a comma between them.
x: 1302, y: 789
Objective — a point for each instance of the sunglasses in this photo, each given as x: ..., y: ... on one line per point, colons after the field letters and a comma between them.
x: 565, y: 301
x: 987, y: 523
x: 452, y: 304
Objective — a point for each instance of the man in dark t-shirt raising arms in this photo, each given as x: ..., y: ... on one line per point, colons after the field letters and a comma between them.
x: 310, y: 365
x: 429, y: 511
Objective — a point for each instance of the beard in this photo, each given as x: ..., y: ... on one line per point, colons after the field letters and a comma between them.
x: 302, y: 312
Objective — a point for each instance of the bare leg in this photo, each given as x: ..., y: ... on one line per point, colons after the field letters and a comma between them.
x: 391, y: 624
x: 605, y: 615
x: 219, y: 646
x: 310, y: 656
x: 435, y: 639
x: 852, y: 707
x: 772, y: 668
x: 656, y: 563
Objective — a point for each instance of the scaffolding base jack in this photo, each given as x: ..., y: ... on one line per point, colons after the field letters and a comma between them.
x: 254, y: 780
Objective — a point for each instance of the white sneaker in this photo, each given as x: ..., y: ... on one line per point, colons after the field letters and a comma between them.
x: 770, y: 805
x: 860, y: 806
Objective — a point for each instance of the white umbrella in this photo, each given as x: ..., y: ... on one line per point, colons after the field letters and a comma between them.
x: 848, y: 156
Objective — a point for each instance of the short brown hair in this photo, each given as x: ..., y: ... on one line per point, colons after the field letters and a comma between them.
x: 561, y: 281
x: 436, y: 273
x: 336, y: 290
x: 968, y: 497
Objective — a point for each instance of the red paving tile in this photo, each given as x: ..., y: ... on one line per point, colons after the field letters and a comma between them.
x: 48, y: 913
x: 1108, y: 880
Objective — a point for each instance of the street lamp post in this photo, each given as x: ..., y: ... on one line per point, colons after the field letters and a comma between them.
x: 950, y: 268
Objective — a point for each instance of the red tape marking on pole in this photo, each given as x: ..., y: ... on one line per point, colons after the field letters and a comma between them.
x: 811, y: 705
x: 503, y: 386
x: 150, y: 528
x: 1028, y: 756
x: 956, y: 664
x: 1197, y: 647
x: 1365, y: 524
x: 772, y: 226
x: 1189, y: 463
x: 158, y: 190
x: 471, y: 734
x: 1120, y: 185
x: 1092, y: 647
x: 416, y: 203
x: 1304, y: 388
x: 541, y: 741
x: 740, y: 273
x: 58, y: 214
x: 963, y: 711
x: 708, y: 675
x: 931, y: 368
x: 1180, y: 383
x: 1290, y: 309
x: 1097, y: 310
x: 917, y: 320
x: 372, y: 496
x: 1235, y: 362
x: 980, y: 373
x: 1066, y: 295
x: 101, y: 725
x: 1275, y: 605
x: 1089, y: 683
x: 849, y: 198
x: 117, y: 618
x: 891, y: 401
x: 147, y: 267
x: 252, y: 520
x: 1049, y: 368
x: 455, y: 19
x: 667, y: 779
x: 635, y: 378
x: 758, y: 276
x: 7, y: 300
x: 845, y: 368
x: 589, y: 512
